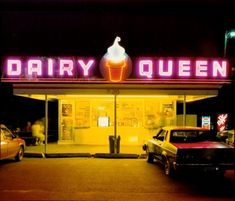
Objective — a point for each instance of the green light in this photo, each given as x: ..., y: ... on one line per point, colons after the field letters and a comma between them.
x: 232, y: 34
x: 228, y: 35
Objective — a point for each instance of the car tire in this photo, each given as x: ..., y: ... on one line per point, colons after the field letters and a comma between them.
x: 150, y: 157
x: 20, y: 154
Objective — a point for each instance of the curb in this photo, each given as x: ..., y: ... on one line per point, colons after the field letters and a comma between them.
x: 67, y: 155
x: 34, y: 155
x: 112, y: 155
x: 85, y: 155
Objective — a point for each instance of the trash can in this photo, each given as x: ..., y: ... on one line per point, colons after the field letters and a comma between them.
x: 114, y: 144
x: 111, y: 143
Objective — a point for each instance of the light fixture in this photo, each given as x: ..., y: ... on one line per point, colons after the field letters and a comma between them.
x: 228, y: 35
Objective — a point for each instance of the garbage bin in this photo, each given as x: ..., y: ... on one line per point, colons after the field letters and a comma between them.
x: 114, y: 144
x: 111, y: 143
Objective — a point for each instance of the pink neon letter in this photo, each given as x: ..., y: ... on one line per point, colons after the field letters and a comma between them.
x: 146, y: 68
x: 86, y: 67
x: 169, y: 68
x: 13, y: 67
x: 50, y: 67
x: 66, y: 65
x: 34, y: 66
x: 184, y: 67
x: 219, y: 69
x: 201, y: 68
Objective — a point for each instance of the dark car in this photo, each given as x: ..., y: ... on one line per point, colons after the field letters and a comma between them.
x: 11, y: 145
x: 189, y: 148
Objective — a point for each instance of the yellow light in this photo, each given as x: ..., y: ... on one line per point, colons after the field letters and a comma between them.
x: 145, y: 96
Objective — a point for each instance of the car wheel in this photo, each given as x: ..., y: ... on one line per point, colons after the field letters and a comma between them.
x: 150, y: 157
x: 20, y: 154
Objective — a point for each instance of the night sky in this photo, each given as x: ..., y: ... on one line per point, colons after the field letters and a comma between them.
x: 87, y: 28
x: 161, y: 28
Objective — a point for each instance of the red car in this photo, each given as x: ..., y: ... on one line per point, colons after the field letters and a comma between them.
x: 11, y: 146
x: 192, y: 148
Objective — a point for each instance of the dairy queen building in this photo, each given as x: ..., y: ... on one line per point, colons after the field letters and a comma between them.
x: 115, y: 96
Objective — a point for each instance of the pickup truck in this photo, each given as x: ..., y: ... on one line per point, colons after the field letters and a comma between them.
x: 189, y: 148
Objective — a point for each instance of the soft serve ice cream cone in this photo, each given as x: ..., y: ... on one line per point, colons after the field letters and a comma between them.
x: 116, y: 61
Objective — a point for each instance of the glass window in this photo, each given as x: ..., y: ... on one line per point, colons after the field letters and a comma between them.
x: 161, y: 135
x: 6, y: 133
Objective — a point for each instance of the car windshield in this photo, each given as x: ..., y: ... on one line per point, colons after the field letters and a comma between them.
x: 192, y: 136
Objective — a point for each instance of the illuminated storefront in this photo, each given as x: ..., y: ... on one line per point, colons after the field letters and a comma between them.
x: 116, y: 95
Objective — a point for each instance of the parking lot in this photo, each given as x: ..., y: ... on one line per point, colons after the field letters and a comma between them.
x: 105, y: 179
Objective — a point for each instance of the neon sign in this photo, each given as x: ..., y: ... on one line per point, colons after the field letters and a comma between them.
x: 114, y: 66
x: 206, y: 122
x: 153, y: 68
x: 222, y: 121
x: 115, y: 61
x: 48, y: 67
x: 182, y: 68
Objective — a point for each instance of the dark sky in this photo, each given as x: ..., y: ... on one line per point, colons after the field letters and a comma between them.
x: 147, y: 28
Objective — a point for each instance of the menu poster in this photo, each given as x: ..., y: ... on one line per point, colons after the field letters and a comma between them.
x: 82, y: 114
x: 152, y: 115
x: 66, y: 110
x: 130, y: 113
x: 67, y: 128
x: 168, y: 111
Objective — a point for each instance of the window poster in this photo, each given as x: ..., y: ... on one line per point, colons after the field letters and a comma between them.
x: 101, y: 109
x: 130, y: 113
x: 151, y: 114
x: 82, y: 114
x: 167, y: 114
x: 67, y: 128
x: 168, y: 110
x: 67, y: 120
x: 66, y: 109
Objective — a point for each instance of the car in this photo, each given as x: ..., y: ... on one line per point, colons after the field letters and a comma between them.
x: 231, y: 138
x: 11, y: 145
x: 227, y: 136
x: 189, y: 148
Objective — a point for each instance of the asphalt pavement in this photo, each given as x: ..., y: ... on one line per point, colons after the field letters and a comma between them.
x: 99, y: 179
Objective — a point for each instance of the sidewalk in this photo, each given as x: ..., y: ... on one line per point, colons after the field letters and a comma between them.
x: 70, y: 150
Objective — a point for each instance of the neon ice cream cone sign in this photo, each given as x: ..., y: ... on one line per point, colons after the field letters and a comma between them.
x: 115, y: 64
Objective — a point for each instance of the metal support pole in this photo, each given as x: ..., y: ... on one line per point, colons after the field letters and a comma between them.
x: 184, y: 111
x: 225, y: 43
x: 46, y: 123
x: 115, y: 115
x: 115, y: 92
x: 115, y: 122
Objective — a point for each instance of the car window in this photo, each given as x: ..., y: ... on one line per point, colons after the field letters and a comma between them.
x: 192, y: 136
x: 161, y: 135
x: 183, y: 136
x: 6, y: 133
